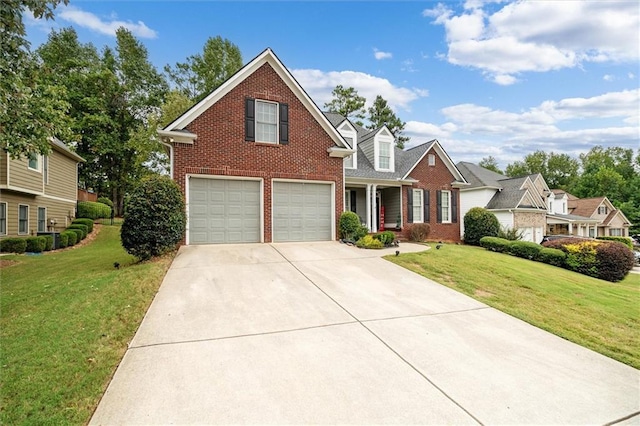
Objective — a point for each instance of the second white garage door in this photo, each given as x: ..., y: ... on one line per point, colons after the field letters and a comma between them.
x: 302, y: 211
x: 224, y: 211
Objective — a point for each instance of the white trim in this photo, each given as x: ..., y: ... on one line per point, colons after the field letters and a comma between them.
x: 255, y: 121
x: 188, y: 176
x: 435, y: 144
x: 335, y: 151
x: 347, y: 200
x: 27, y: 206
x: 413, y: 204
x: 322, y: 182
x: 449, y: 196
x: 6, y: 221
x: 27, y: 191
x: 266, y: 57
x: 38, y: 167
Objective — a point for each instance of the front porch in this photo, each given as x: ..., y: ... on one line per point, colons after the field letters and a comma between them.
x: 378, y: 206
x: 575, y: 226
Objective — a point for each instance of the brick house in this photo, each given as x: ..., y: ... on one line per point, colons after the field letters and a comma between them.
x: 259, y: 162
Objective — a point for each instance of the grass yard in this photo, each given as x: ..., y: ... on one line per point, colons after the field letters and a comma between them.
x: 599, y: 315
x: 66, y: 318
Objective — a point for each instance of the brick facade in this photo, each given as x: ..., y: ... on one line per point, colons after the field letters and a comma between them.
x: 221, y: 149
x: 434, y: 178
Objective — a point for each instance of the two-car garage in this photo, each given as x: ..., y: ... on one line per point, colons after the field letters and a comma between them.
x: 222, y: 210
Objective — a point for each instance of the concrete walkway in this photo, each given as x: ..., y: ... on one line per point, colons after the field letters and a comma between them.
x: 324, y: 333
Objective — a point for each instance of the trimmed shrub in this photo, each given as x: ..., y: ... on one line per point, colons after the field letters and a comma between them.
x: 497, y: 244
x: 479, y: 222
x: 614, y: 260
x: 79, y: 234
x: 80, y: 226
x: 36, y: 244
x: 386, y: 238
x: 551, y: 256
x: 511, y: 234
x: 154, y: 218
x: 349, y: 225
x: 105, y: 200
x: 361, y: 232
x: 84, y: 221
x: 64, y: 239
x: 627, y: 241
x: 93, y: 210
x: 72, y: 238
x: 49, y: 245
x: 418, y: 231
x: 369, y: 242
x: 13, y: 245
x: 525, y: 249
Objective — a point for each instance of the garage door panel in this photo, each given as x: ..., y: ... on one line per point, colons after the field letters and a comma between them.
x: 228, y: 212
x: 302, y: 211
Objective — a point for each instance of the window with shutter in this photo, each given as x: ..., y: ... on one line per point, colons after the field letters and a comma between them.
x: 418, y: 206
x: 266, y: 122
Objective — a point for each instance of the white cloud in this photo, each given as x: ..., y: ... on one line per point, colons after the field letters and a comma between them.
x: 530, y: 36
x: 631, y: 76
x: 320, y: 84
x: 613, y: 104
x: 379, y: 54
x: 608, y: 77
x: 103, y: 26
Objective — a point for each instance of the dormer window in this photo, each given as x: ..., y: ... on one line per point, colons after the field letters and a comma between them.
x: 384, y: 157
x: 602, y: 210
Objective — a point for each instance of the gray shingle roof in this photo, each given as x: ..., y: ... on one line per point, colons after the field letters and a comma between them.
x: 479, y: 176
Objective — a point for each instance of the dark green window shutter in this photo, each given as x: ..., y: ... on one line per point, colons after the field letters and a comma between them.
x: 427, y: 206
x: 353, y: 201
x: 454, y: 206
x: 249, y: 120
x: 284, y: 124
x: 410, y: 205
x: 439, y: 206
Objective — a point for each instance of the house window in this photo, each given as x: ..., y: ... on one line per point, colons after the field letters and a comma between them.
x: 42, y: 219
x: 3, y: 218
x: 445, y: 206
x: 418, y: 211
x: 23, y: 219
x: 384, y: 156
x: 602, y: 210
x: 33, y: 162
x: 266, y: 122
x: 432, y: 159
x: 616, y: 232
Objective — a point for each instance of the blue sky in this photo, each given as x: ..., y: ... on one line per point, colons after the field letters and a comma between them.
x: 499, y: 78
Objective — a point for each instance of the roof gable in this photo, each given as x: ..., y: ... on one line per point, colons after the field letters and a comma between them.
x: 438, y: 150
x: 266, y: 57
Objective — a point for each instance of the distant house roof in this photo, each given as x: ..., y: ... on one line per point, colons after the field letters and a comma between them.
x: 479, y: 177
x: 586, y: 206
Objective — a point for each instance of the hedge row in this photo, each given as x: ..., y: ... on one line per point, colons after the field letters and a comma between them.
x: 93, y: 210
x: 607, y: 260
x: 627, y: 241
x: 77, y: 231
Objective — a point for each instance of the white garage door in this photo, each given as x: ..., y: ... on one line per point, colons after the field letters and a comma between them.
x: 224, y: 211
x: 302, y: 211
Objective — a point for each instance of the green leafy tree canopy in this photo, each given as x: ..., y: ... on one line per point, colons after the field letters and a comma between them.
x: 347, y: 103
x: 381, y: 114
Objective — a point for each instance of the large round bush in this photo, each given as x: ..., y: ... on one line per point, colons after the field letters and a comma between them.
x: 478, y: 223
x: 154, y: 218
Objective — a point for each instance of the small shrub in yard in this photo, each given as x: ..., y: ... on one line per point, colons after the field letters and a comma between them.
x: 386, y: 238
x: 80, y: 226
x: 511, y: 234
x: 478, y: 223
x: 614, y: 261
x: 36, y: 244
x: 84, y: 221
x: 64, y: 239
x: 49, y: 242
x: 369, y: 242
x: 93, y: 210
x: 13, y: 245
x: 525, y: 249
x: 418, y: 231
x: 154, y: 218
x: 105, y: 200
x: 624, y: 240
x: 72, y: 238
x: 551, y: 256
x: 349, y: 226
x: 79, y: 234
x: 496, y: 244
x: 361, y: 232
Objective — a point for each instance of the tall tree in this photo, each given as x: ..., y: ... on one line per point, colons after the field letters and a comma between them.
x: 490, y: 163
x: 204, y: 72
x: 558, y: 170
x: 381, y: 114
x: 347, y: 103
x: 31, y: 110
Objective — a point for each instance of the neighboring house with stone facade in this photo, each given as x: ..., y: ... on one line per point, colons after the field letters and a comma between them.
x: 585, y: 217
x: 517, y: 202
x: 259, y: 162
x: 38, y: 192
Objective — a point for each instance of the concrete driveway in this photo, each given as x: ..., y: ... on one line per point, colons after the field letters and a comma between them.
x: 324, y: 333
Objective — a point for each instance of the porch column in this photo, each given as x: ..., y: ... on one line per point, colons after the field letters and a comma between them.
x: 368, y: 203
x: 374, y: 209
x: 570, y: 228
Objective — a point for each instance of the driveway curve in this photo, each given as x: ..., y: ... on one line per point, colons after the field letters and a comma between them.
x: 325, y: 333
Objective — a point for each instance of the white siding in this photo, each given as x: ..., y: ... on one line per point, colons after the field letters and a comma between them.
x: 473, y: 198
x: 505, y: 219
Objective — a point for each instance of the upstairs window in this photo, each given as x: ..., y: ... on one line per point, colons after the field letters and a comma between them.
x: 432, y: 159
x: 266, y: 122
x: 602, y: 210
x: 384, y: 156
x: 34, y: 163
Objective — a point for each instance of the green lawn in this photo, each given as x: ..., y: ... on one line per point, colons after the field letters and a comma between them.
x: 597, y: 314
x: 65, y: 321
